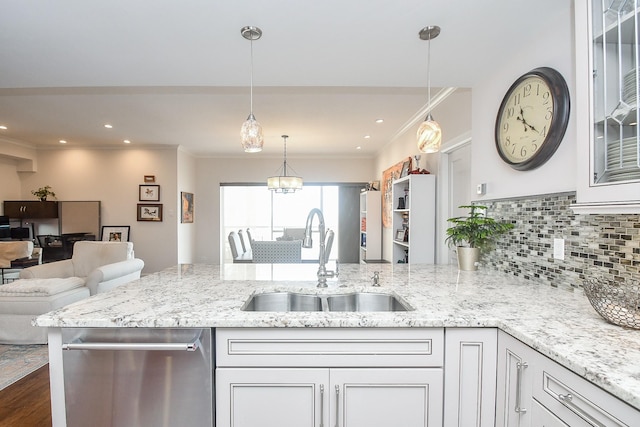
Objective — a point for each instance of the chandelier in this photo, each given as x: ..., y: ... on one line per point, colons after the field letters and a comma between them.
x: 251, y: 131
x: 284, y: 183
x: 429, y: 133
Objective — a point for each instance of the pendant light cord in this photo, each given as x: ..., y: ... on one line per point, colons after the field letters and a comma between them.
x: 251, y: 91
x: 284, y: 169
x: 429, y: 72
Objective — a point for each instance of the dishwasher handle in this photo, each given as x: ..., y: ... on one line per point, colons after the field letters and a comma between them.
x: 184, y: 346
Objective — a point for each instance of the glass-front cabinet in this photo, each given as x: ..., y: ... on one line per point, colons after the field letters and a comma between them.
x: 607, y: 83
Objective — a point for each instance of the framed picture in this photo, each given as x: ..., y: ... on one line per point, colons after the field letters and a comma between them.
x: 400, y: 235
x: 149, y: 212
x: 115, y: 233
x: 405, y: 168
x: 149, y: 179
x: 187, y: 207
x: 149, y: 193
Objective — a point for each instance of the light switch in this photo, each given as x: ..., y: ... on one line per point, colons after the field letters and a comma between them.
x: 558, y: 248
x: 481, y: 189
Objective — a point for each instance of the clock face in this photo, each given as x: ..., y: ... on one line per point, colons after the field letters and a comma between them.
x: 532, y: 119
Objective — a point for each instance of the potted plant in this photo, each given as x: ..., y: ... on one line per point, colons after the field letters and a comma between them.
x: 474, y: 234
x: 43, y: 192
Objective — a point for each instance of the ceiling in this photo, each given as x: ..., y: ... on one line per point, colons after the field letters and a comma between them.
x: 165, y: 72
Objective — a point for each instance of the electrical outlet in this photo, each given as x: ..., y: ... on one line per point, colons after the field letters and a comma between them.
x: 558, y: 248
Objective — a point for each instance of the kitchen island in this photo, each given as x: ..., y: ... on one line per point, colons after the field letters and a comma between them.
x: 559, y: 323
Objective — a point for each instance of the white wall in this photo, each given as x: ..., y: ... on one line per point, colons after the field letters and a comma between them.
x: 255, y: 168
x: 113, y: 176
x: 187, y: 183
x: 552, y: 46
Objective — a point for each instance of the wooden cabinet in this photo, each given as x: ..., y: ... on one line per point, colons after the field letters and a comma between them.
x: 607, y: 81
x: 470, y: 376
x: 370, y: 226
x: 533, y: 390
x: 414, y: 219
x: 322, y: 377
x: 30, y: 209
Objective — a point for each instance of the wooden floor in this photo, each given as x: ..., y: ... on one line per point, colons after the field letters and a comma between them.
x: 26, y: 403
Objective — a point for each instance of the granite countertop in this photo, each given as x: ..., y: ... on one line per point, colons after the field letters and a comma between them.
x: 558, y: 322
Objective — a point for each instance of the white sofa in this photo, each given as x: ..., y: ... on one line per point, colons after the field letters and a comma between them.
x: 102, y: 265
x: 95, y: 267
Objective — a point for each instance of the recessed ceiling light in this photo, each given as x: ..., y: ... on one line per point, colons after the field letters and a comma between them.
x: 358, y: 148
x: 126, y: 141
x: 62, y: 141
x: 379, y: 120
x: 367, y: 136
x: 108, y: 126
x: 3, y: 127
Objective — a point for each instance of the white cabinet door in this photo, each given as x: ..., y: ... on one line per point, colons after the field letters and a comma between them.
x: 386, y: 397
x: 250, y: 397
x: 514, y: 382
x: 543, y: 417
x: 470, y: 376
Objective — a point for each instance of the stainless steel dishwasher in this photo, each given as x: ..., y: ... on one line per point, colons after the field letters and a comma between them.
x: 130, y: 377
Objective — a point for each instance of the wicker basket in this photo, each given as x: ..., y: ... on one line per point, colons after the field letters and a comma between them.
x: 619, y: 303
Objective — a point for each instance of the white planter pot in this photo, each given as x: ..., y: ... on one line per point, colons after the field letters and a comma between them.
x: 468, y: 258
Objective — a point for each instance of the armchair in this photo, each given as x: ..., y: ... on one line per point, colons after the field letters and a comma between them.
x: 102, y: 265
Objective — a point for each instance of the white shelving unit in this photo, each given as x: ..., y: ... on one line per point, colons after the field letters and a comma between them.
x: 414, y: 219
x: 370, y: 226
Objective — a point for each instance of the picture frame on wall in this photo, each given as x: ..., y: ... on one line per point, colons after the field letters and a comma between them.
x: 150, y: 212
x: 187, y: 207
x: 148, y: 179
x: 406, y: 166
x: 115, y: 233
x: 149, y: 193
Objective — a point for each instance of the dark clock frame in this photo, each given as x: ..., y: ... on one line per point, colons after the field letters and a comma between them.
x: 559, y: 121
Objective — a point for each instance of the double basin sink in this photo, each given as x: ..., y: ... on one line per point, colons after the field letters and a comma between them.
x: 353, y: 302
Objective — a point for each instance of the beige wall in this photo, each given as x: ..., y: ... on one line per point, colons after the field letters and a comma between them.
x: 9, y: 181
x: 113, y: 176
x: 186, y: 232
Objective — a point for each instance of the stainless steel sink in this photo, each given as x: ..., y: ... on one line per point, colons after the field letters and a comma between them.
x: 283, y: 301
x: 353, y: 302
x: 365, y: 301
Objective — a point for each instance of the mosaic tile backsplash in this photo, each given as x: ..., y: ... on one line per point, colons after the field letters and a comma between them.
x: 601, y: 246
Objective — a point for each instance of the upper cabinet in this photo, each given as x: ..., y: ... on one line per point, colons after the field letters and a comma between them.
x: 607, y: 116
x: 30, y: 209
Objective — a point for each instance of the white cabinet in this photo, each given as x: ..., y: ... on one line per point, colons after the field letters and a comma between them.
x: 370, y: 226
x: 414, y: 220
x: 513, y: 394
x: 298, y: 397
x: 312, y: 377
x: 605, y: 105
x: 470, y: 376
x: 535, y: 391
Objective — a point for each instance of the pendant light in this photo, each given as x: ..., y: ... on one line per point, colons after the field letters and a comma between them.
x: 284, y: 183
x: 251, y: 131
x: 429, y: 133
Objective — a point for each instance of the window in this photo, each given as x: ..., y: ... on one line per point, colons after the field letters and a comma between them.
x: 268, y: 214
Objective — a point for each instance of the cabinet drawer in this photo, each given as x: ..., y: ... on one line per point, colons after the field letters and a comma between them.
x: 359, y: 347
x: 576, y: 401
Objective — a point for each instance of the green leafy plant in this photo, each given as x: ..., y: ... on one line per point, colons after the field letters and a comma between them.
x: 476, y: 230
x: 43, y: 192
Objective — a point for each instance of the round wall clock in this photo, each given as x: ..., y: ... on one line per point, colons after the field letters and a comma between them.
x: 532, y: 118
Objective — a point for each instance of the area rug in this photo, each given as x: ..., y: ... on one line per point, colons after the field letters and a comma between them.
x: 18, y: 361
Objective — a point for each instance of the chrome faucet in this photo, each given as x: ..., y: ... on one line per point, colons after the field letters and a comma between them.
x: 308, y: 242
